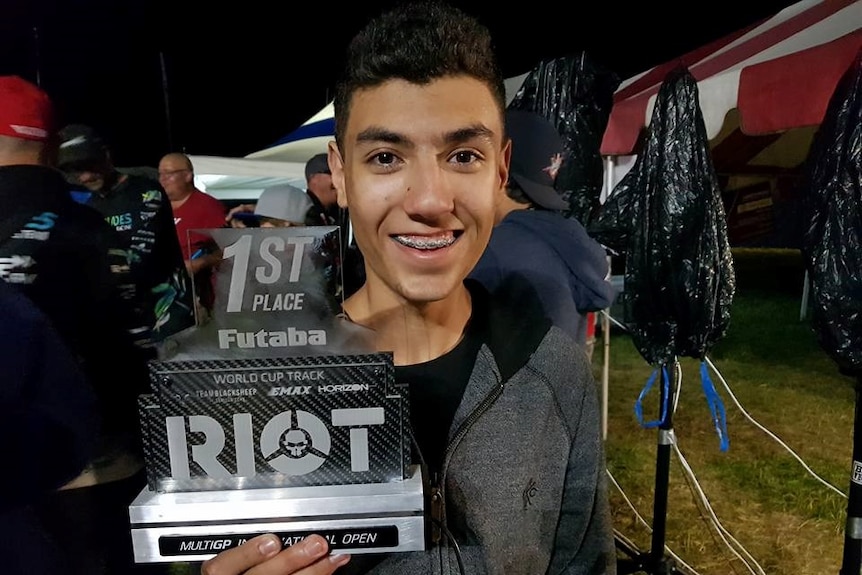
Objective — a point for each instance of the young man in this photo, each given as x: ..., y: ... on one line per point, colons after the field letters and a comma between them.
x: 504, y: 407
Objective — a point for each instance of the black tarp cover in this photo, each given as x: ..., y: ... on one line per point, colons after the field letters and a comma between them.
x: 832, y: 208
x: 666, y: 216
x: 576, y: 95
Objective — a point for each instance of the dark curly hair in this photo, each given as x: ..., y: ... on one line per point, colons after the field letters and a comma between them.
x: 418, y: 42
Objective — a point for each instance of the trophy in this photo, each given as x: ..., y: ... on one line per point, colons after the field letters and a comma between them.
x: 275, y: 416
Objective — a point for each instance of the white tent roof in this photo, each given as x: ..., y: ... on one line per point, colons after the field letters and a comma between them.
x: 244, y: 178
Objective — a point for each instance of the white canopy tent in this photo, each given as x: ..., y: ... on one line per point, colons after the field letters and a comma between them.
x: 243, y: 179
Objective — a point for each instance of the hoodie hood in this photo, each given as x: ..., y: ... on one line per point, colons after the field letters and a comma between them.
x: 584, y: 258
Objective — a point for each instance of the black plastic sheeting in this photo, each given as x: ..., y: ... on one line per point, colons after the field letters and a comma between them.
x: 832, y: 239
x: 666, y: 216
x: 576, y: 95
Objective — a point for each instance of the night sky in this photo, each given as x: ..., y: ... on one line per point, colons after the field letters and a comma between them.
x: 231, y: 78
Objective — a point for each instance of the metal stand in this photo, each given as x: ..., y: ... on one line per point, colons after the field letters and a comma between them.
x: 656, y: 562
x: 852, y: 561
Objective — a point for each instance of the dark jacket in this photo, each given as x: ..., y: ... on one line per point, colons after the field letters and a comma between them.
x: 352, y: 261
x: 70, y: 263
x: 140, y: 212
x: 49, y: 421
x: 49, y: 428
x: 567, y: 268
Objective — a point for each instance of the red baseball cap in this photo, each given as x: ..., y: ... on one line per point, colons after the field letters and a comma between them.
x: 25, y: 110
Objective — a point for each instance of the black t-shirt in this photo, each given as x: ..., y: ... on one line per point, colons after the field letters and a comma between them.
x: 436, y: 388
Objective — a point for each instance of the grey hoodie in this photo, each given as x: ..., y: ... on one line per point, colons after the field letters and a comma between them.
x: 524, y: 474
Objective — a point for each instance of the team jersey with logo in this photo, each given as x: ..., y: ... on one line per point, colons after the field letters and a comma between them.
x: 139, y: 211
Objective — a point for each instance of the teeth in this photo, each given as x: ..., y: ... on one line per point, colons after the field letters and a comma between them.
x: 424, y: 242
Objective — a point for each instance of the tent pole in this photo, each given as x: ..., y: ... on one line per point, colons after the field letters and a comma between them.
x: 610, y: 162
x: 803, y: 307
x: 658, y: 563
x: 606, y: 363
x: 167, y: 100
x: 852, y: 559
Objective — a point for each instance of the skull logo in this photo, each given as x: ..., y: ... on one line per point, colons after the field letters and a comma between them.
x: 296, y: 443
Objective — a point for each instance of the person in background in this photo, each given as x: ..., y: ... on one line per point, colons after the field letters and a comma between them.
x: 284, y: 206
x: 326, y: 209
x: 322, y: 192
x: 49, y: 427
x: 140, y: 211
x: 193, y: 209
x: 505, y: 410
x: 532, y: 238
x: 74, y: 266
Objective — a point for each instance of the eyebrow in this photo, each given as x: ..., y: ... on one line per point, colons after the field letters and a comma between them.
x: 379, y: 134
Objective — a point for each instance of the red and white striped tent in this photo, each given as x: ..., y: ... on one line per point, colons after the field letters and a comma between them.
x: 763, y: 81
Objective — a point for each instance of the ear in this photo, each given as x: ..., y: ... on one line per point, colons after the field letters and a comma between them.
x: 336, y: 166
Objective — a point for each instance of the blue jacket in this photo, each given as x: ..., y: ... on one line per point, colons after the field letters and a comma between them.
x: 50, y: 420
x: 49, y: 427
x: 567, y: 268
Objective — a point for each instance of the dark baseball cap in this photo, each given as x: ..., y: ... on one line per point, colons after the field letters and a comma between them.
x: 317, y: 164
x: 80, y: 145
x: 537, y: 155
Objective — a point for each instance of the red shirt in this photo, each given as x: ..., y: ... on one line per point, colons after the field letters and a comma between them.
x: 199, y: 211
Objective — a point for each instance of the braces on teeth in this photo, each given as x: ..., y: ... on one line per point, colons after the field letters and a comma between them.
x: 425, y: 243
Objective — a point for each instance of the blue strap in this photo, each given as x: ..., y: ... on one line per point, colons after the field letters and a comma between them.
x: 716, y: 407
x: 664, y: 405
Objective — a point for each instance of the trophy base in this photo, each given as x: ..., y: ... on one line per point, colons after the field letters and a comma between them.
x: 361, y: 518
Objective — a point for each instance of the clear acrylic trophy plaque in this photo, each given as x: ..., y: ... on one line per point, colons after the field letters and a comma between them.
x: 275, y: 415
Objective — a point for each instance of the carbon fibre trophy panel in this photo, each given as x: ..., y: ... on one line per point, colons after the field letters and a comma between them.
x: 252, y: 423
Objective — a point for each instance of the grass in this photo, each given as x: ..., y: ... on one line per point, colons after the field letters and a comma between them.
x: 783, y: 388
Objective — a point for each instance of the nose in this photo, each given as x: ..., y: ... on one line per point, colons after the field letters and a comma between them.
x: 429, y: 193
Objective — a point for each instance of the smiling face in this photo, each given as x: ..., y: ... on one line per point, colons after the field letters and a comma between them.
x: 421, y: 169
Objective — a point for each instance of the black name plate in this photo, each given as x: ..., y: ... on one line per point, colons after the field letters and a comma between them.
x: 340, y: 540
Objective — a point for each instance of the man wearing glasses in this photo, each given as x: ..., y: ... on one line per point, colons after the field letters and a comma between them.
x: 193, y: 209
